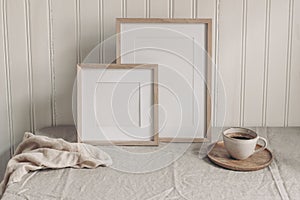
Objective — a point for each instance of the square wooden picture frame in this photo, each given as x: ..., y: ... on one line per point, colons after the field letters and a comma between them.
x: 138, y: 23
x: 89, y: 114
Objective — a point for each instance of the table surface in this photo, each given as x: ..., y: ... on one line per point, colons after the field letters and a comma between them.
x: 189, y: 177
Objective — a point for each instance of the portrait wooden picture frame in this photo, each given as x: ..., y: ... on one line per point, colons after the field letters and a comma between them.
x: 139, y: 23
x: 142, y: 76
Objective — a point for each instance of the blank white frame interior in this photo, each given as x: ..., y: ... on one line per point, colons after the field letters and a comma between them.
x: 116, y: 104
x: 182, y: 50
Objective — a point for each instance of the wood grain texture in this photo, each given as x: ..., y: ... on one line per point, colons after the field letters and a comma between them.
x: 257, y: 161
x: 65, y: 58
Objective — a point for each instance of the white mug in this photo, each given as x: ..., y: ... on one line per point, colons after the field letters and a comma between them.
x: 241, y: 142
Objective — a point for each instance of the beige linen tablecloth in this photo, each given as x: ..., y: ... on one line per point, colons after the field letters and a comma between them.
x: 190, y: 177
x: 40, y: 152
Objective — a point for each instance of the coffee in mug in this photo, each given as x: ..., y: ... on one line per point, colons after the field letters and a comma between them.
x: 241, y: 142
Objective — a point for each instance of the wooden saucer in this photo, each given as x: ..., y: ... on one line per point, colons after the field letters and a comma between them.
x: 220, y: 156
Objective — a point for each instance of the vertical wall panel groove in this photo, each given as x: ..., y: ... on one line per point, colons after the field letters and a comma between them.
x: 124, y: 8
x: 147, y: 11
x: 51, y: 62
x: 18, y: 69
x: 7, y: 76
x: 194, y: 9
x: 78, y: 32
x: 29, y: 65
x: 294, y: 96
x: 279, y: 16
x: 40, y: 63
x: 288, y: 64
x: 243, y: 63
x: 216, y: 64
x: 254, y: 63
x: 101, y: 30
x: 266, y: 63
x: 5, y: 145
x: 171, y: 8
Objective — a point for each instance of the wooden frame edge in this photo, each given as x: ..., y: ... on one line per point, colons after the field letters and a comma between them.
x: 118, y: 41
x: 121, y: 143
x: 163, y: 20
x: 182, y: 140
x: 117, y: 66
x: 208, y: 81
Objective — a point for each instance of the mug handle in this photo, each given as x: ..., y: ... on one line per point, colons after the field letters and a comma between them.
x: 264, y: 146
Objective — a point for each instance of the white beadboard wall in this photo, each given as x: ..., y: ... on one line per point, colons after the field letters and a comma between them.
x: 256, y: 48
